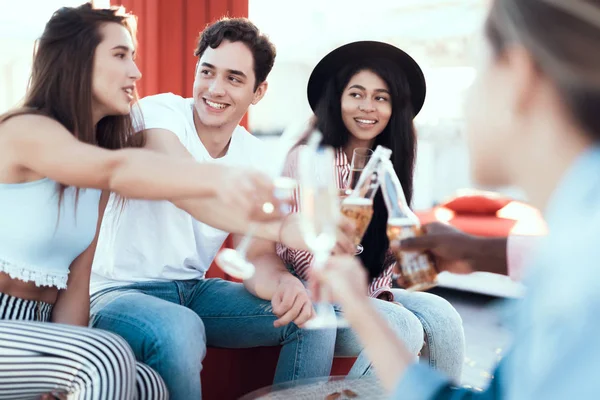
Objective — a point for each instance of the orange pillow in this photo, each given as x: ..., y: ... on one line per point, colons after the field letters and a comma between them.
x: 483, y: 203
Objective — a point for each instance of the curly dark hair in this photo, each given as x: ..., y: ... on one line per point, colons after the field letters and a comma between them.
x: 240, y: 30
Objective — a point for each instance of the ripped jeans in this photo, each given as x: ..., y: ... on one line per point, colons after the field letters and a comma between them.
x: 169, y: 324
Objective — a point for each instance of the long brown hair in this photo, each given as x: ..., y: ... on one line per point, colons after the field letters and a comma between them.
x: 562, y: 37
x: 60, y: 85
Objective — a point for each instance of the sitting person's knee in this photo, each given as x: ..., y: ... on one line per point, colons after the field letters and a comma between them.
x: 179, y: 333
x: 440, y: 309
x: 406, y: 325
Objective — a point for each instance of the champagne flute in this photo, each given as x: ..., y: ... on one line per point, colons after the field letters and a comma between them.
x: 234, y: 262
x: 360, y: 159
x: 320, y: 212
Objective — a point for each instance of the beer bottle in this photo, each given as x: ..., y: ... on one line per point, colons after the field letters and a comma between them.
x: 417, y: 269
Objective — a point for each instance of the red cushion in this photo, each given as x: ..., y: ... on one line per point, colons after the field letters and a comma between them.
x: 487, y: 203
x: 483, y: 225
x: 228, y: 374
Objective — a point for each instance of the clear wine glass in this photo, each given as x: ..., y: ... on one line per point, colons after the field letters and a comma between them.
x: 234, y: 261
x: 320, y: 211
x: 360, y: 159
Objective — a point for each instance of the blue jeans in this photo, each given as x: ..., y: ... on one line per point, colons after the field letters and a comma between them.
x: 423, y: 317
x: 169, y: 324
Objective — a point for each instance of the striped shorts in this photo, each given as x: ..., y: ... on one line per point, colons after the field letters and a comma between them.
x: 37, y: 357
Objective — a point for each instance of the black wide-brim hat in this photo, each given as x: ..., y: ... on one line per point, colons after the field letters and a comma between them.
x: 364, y: 50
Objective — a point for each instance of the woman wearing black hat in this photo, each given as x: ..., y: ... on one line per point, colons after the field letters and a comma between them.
x: 366, y: 94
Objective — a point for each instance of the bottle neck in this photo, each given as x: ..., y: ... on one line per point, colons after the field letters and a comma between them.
x: 370, y: 177
x: 393, y: 194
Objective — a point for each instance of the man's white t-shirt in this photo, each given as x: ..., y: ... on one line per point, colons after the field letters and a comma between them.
x: 154, y: 240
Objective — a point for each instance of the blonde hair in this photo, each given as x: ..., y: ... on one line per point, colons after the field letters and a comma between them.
x: 562, y: 38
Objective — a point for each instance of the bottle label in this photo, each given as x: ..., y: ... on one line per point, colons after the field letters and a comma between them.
x: 417, y: 269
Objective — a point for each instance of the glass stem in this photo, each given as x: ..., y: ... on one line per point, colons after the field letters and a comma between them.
x: 244, y: 244
x: 321, y: 258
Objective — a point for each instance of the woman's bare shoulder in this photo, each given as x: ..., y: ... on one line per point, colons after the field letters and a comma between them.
x: 26, y: 122
x: 20, y: 132
x: 30, y: 128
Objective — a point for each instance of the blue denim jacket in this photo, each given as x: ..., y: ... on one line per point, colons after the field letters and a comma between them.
x: 556, y: 354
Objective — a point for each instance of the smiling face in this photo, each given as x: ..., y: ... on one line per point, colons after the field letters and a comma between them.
x: 366, y: 105
x: 224, y: 85
x: 114, y: 72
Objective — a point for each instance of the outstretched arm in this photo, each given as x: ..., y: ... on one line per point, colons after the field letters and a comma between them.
x: 400, y: 375
x: 208, y: 209
x: 458, y: 252
x: 42, y: 145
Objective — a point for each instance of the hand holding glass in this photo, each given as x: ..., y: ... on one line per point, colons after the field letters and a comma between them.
x: 320, y: 212
x: 234, y: 261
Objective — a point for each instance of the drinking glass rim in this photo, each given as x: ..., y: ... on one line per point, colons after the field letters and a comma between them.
x: 363, y: 151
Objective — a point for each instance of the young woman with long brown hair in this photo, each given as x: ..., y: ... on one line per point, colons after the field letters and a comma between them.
x: 72, y: 139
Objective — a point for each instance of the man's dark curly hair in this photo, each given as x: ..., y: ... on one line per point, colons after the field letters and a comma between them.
x: 240, y: 30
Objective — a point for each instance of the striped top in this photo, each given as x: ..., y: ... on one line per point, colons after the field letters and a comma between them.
x: 301, y: 260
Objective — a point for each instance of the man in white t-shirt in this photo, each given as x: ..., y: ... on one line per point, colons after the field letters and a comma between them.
x: 148, y: 281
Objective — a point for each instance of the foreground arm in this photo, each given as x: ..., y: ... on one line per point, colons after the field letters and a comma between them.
x: 395, y: 366
x: 135, y: 173
x: 458, y: 252
x: 210, y: 210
